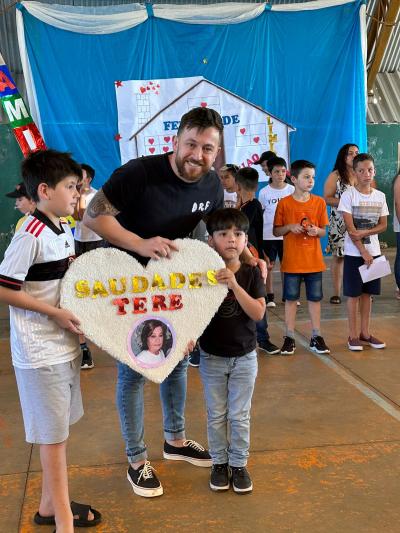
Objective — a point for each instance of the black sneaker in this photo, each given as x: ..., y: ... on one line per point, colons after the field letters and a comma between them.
x: 220, y: 477
x: 317, y: 344
x: 191, y: 452
x: 194, y: 357
x: 289, y: 346
x: 241, y: 480
x: 87, y: 360
x: 268, y: 347
x: 144, y: 481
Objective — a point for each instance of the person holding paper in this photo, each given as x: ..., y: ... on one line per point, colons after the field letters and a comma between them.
x: 365, y: 212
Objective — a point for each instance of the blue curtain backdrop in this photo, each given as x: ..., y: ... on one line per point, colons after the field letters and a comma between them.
x: 305, y: 67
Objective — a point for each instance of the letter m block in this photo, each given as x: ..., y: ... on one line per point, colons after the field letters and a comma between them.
x: 17, y: 113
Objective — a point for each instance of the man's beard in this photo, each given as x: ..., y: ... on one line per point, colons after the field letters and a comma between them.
x: 190, y: 173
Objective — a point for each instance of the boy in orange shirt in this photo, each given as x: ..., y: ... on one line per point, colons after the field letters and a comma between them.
x: 301, y: 219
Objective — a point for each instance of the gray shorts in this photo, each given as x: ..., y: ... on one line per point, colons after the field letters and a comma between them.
x: 50, y: 400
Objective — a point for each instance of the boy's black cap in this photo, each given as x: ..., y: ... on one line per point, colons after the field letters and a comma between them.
x: 20, y: 190
x: 265, y: 156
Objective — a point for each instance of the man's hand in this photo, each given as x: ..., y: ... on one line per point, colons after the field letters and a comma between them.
x: 228, y: 277
x: 368, y: 259
x: 190, y: 347
x: 156, y: 247
x: 66, y: 320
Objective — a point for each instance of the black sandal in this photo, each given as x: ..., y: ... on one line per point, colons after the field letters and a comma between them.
x: 335, y: 300
x: 79, y: 509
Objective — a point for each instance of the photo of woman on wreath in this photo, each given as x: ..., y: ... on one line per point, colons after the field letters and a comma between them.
x: 155, y: 342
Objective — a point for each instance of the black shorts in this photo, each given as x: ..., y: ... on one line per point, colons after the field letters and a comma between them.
x: 353, y: 285
x: 273, y: 249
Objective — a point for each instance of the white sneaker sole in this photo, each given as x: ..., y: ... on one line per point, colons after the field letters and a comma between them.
x: 242, y: 491
x: 217, y: 488
x: 145, y: 493
x: 87, y: 367
x: 270, y: 305
x: 205, y: 463
x: 288, y: 353
x: 355, y: 348
x: 314, y: 349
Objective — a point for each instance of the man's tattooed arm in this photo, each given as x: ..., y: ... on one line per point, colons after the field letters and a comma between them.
x: 100, y: 205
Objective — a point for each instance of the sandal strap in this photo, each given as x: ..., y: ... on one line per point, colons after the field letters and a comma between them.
x: 81, y: 510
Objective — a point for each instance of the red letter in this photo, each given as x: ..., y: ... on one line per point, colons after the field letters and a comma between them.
x: 175, y: 302
x: 5, y: 82
x: 159, y: 303
x: 139, y: 306
x: 121, y: 302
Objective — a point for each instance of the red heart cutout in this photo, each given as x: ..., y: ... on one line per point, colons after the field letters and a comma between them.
x: 256, y: 139
x: 167, y: 139
x: 142, y: 89
x: 165, y: 149
x: 203, y: 104
x: 152, y: 150
x: 151, y: 141
x: 158, y: 86
x: 156, y: 92
x: 153, y: 88
x: 242, y: 130
x: 148, y: 88
x: 150, y: 83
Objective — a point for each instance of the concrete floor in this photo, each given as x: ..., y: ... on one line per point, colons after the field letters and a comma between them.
x: 325, y: 451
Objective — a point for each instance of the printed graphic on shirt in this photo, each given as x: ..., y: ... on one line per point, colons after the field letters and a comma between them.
x: 366, y: 216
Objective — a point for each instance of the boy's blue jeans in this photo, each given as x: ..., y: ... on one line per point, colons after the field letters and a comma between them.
x: 228, y: 388
x: 130, y: 404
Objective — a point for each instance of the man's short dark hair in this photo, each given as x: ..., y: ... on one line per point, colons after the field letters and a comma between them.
x: 89, y: 170
x: 47, y: 166
x: 227, y: 218
x: 276, y: 162
x: 247, y: 178
x: 201, y: 118
x: 362, y: 157
x: 297, y: 166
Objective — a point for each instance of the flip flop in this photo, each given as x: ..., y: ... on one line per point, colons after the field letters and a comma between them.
x: 335, y: 300
x: 79, y: 509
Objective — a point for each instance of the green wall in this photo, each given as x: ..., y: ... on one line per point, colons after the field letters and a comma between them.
x: 10, y: 158
x: 383, y: 142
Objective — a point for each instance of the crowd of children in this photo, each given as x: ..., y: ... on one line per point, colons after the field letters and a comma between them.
x: 287, y: 222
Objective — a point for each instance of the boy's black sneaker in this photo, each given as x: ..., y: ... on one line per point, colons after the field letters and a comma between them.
x: 289, y: 346
x: 191, y: 451
x: 220, y: 477
x: 144, y: 481
x: 241, y: 480
x: 87, y: 359
x: 317, y: 344
x: 269, y: 347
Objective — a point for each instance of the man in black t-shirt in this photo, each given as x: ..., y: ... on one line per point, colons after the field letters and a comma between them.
x: 141, y: 209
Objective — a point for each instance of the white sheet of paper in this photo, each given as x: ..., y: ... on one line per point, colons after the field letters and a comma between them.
x: 379, y: 268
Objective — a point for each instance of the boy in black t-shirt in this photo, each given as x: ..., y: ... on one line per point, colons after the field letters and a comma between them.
x: 228, y: 363
x: 247, y: 183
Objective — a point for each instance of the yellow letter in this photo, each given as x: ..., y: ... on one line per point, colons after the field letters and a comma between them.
x: 112, y: 283
x: 158, y: 283
x: 139, y: 284
x: 194, y: 280
x: 212, y: 280
x: 82, y: 289
x: 99, y: 289
x: 176, y: 280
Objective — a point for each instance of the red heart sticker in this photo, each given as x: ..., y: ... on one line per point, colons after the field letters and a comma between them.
x: 148, y: 88
x: 151, y: 141
x: 150, y: 83
x: 242, y: 130
x: 167, y: 139
x: 152, y: 150
x: 142, y: 89
x: 165, y: 149
x: 158, y: 86
x: 203, y: 104
x: 256, y: 139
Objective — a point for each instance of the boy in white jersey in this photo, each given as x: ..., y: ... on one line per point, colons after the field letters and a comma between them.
x: 44, y: 338
x: 269, y: 197
x: 365, y: 212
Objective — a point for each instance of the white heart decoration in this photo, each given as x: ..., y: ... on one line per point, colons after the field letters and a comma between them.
x: 119, y: 334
